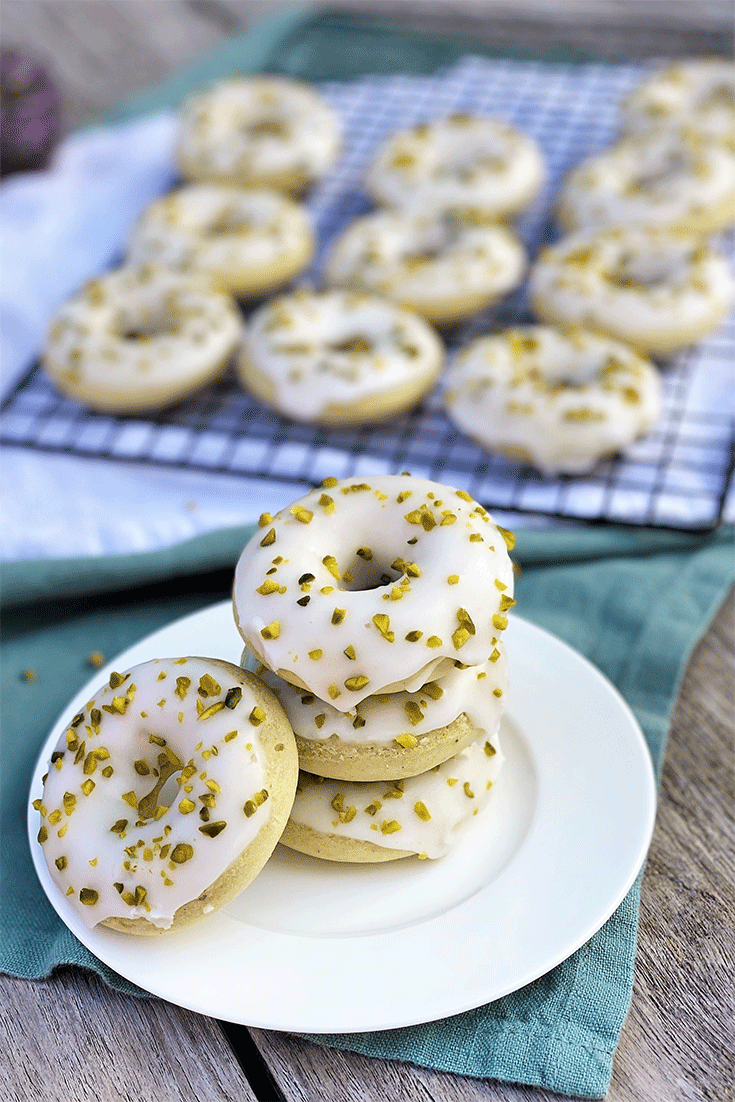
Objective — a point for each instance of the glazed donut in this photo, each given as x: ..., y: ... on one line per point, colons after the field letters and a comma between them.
x: 167, y: 794
x: 461, y: 162
x: 382, y: 821
x: 394, y: 734
x: 558, y: 400
x: 697, y: 93
x: 445, y: 266
x: 677, y: 179
x: 140, y: 339
x: 656, y: 290
x: 258, y: 132
x: 373, y: 587
x: 337, y: 357
x: 247, y: 242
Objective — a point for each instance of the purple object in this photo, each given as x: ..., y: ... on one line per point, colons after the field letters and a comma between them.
x: 29, y: 113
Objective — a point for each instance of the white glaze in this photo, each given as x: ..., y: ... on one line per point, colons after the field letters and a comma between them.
x: 478, y: 691
x: 563, y: 399
x: 426, y: 257
x: 253, y: 128
x: 698, y: 93
x: 186, y: 328
x: 227, y: 772
x: 657, y: 179
x: 674, y: 282
x: 451, y: 806
x: 459, y: 161
x: 211, y: 228
x: 419, y: 597
x: 298, y: 341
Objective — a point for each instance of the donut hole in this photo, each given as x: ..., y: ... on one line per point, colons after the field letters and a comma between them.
x: 359, y: 345
x: 663, y: 174
x: 145, y: 328
x: 643, y: 270
x: 578, y: 374
x: 464, y: 162
x: 270, y: 126
x: 227, y: 222
x: 166, y: 776
x: 366, y: 572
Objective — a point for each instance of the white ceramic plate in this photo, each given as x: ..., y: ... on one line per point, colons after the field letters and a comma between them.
x: 318, y: 947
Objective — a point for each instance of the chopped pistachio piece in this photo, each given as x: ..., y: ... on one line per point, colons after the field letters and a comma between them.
x: 182, y: 852
x: 355, y: 684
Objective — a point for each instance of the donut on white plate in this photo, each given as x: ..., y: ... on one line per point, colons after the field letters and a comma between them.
x: 372, y: 821
x: 376, y: 586
x: 166, y: 794
x: 399, y: 734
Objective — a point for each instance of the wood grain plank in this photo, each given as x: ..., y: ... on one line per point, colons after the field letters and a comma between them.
x: 679, y: 1038
x: 73, y: 1038
x: 309, y: 1073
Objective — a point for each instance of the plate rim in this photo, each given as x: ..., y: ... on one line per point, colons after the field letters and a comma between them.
x: 98, y: 940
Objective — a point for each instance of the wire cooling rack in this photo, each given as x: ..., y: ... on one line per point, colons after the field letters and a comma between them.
x: 677, y: 476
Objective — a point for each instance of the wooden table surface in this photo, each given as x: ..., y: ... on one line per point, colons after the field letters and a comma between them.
x: 677, y: 1042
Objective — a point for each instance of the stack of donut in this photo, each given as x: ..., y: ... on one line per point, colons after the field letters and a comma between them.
x: 374, y: 612
x: 635, y: 277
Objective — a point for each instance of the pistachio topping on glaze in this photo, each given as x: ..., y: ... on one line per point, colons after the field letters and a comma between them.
x: 357, y: 553
x: 135, y: 844
x: 431, y: 814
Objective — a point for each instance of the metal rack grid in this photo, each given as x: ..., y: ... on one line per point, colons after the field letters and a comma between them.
x: 677, y: 476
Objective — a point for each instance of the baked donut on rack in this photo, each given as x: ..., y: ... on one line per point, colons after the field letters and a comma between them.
x: 338, y: 357
x: 445, y: 265
x: 656, y: 290
x: 698, y: 93
x: 247, y: 243
x: 386, y: 820
x: 167, y: 794
x: 258, y: 132
x: 557, y: 400
x: 676, y: 179
x: 462, y: 162
x: 373, y: 587
x: 392, y: 735
x: 140, y: 339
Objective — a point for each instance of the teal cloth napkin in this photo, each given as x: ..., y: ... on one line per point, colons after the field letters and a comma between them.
x: 634, y: 602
